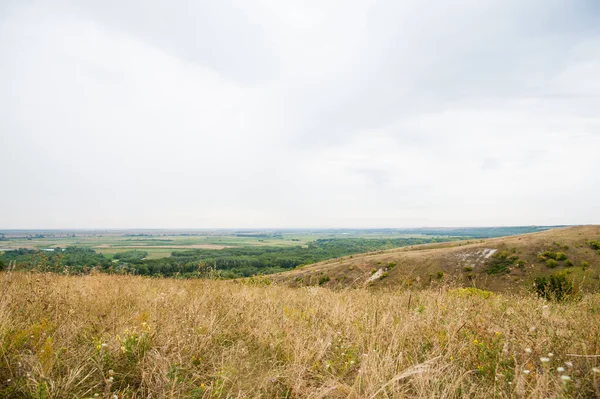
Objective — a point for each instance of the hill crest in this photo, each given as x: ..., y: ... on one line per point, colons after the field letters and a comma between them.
x: 498, y: 264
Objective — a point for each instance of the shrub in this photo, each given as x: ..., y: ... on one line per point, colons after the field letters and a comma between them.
x: 550, y: 255
x: 324, y: 280
x: 467, y: 268
x: 501, y: 263
x: 561, y: 256
x: 584, y: 264
x: 595, y: 245
x: 551, y: 263
x: 391, y: 265
x: 556, y: 287
x: 439, y: 275
x: 568, y: 263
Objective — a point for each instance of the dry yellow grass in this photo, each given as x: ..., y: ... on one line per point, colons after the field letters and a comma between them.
x: 78, y: 337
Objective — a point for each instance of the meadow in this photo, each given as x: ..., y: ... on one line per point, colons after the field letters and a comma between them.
x: 116, y: 336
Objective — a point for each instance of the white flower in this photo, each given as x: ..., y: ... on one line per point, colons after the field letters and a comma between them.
x: 596, y: 369
x: 560, y: 369
x: 550, y: 354
x: 544, y: 359
x: 111, y: 379
x: 104, y: 345
x: 569, y: 364
x: 565, y: 378
x: 526, y: 371
x: 527, y: 350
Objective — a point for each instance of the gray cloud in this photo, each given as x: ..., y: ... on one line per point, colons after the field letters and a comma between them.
x: 264, y: 113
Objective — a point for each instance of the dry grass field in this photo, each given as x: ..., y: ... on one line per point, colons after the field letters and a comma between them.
x: 133, y: 337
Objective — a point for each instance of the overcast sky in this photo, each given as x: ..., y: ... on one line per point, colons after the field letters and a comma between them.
x: 270, y: 113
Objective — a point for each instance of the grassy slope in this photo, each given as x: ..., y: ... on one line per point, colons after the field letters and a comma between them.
x: 65, y: 337
x: 419, y: 265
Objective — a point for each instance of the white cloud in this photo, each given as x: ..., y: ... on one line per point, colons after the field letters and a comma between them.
x: 264, y: 113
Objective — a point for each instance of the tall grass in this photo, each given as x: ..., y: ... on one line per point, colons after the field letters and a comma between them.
x: 123, y: 336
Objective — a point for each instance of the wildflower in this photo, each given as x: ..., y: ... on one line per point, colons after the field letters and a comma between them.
x: 560, y: 369
x: 526, y: 371
x: 104, y: 345
x: 565, y: 378
x: 569, y: 364
x: 544, y: 359
x: 111, y: 379
x: 527, y: 350
x: 596, y: 369
x: 8, y: 380
x: 550, y: 354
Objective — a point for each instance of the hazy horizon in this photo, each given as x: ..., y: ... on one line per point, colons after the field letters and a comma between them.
x: 250, y: 229
x: 241, y: 114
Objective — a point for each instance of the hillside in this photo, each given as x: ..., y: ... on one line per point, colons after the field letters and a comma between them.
x: 498, y: 264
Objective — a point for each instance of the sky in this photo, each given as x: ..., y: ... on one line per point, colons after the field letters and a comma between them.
x: 316, y: 113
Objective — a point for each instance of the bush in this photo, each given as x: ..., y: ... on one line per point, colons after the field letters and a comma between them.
x: 561, y: 256
x: 439, y: 275
x: 551, y: 263
x: 568, y: 263
x: 467, y: 268
x: 550, y: 255
x: 557, y: 287
x: 324, y: 280
x: 595, y: 245
x: 501, y: 263
x: 584, y: 264
x: 391, y: 265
